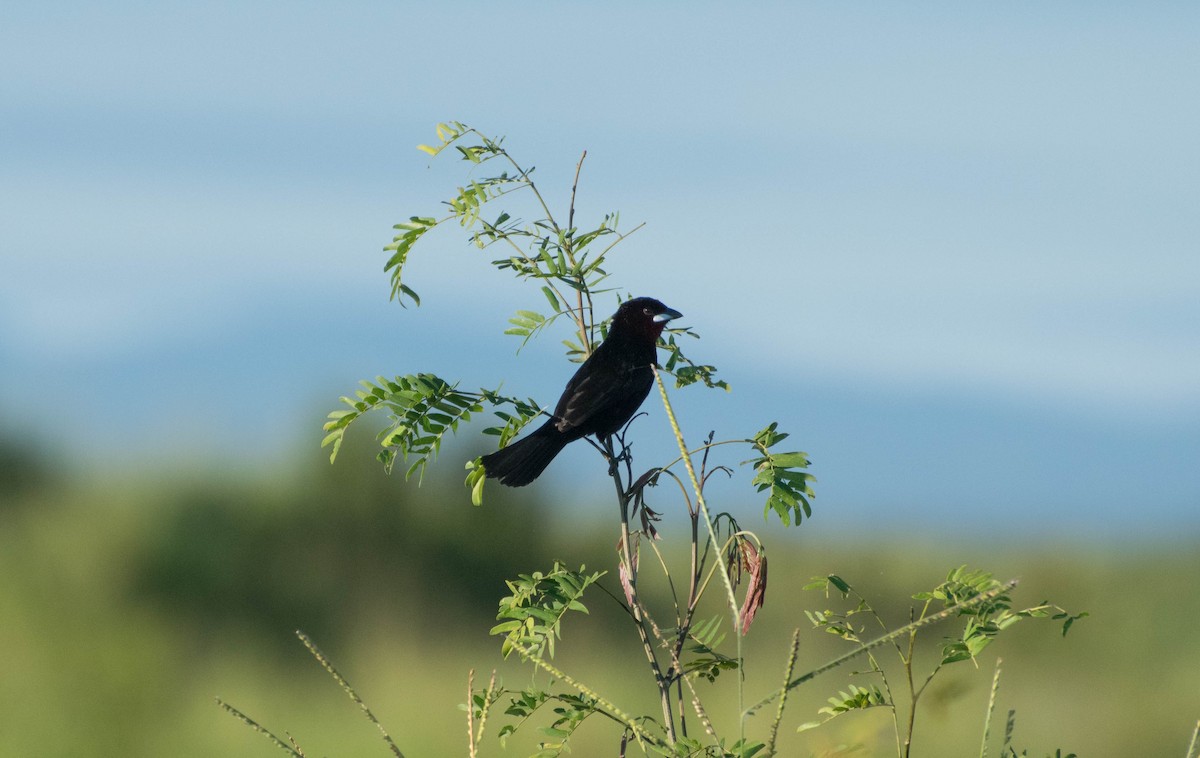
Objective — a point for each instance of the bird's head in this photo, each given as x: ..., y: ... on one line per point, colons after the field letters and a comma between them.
x: 642, y: 316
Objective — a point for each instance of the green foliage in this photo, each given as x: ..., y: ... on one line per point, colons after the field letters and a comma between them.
x: 685, y: 370
x: 534, y: 612
x: 704, y: 659
x: 987, y: 619
x: 782, y: 475
x: 422, y: 408
x: 409, y: 232
x: 982, y: 605
x: 570, y: 710
x: 565, y: 261
x: 857, y: 699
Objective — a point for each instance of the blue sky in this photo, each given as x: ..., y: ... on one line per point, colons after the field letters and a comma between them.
x: 952, y: 247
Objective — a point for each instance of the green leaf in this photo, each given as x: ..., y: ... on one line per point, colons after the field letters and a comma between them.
x: 786, y: 460
x: 779, y: 474
x: 402, y: 244
x: 538, y: 605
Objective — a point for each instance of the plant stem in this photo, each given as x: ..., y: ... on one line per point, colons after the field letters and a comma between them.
x: 635, y: 605
x: 1192, y: 748
x: 712, y: 535
x: 574, y: 188
x: 787, y: 674
x: 471, y: 714
x: 912, y: 712
x: 991, y: 708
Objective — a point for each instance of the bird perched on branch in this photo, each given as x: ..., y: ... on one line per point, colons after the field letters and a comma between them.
x: 602, y: 396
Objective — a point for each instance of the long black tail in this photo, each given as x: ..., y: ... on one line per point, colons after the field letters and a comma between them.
x: 523, y: 461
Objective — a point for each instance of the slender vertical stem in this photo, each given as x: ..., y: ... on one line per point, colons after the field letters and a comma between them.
x: 787, y: 675
x: 702, y: 506
x: 913, y: 694
x: 635, y: 606
x: 584, y: 334
x: 574, y: 187
x: 991, y: 708
x: 471, y: 714
x: 679, y: 700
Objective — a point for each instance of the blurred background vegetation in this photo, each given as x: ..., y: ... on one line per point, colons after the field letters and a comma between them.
x: 130, y: 601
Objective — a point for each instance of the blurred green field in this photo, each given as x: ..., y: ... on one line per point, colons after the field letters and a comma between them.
x: 128, y: 602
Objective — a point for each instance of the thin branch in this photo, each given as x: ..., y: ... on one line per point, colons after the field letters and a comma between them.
x: 525, y: 177
x: 574, y: 187
x: 667, y: 573
x: 704, y: 448
x: 524, y: 256
x: 620, y: 238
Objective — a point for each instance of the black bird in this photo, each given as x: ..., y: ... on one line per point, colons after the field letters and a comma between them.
x: 602, y: 396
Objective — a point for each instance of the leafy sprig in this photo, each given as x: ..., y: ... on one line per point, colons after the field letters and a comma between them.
x: 684, y: 369
x: 985, y: 620
x: 422, y: 408
x: 704, y: 658
x: 782, y: 475
x: 532, y: 615
x: 980, y: 602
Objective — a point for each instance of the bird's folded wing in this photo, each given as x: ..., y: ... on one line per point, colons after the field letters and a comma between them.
x: 596, y: 392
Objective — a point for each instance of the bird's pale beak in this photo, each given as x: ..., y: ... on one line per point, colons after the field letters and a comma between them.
x: 667, y: 315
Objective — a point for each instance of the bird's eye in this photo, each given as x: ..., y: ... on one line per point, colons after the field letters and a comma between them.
x: 648, y: 312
